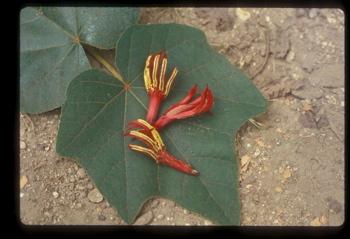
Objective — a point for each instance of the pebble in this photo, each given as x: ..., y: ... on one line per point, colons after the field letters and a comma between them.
x: 313, y: 13
x: 207, y: 223
x: 257, y: 153
x: 101, y: 217
x: 287, y: 173
x: 186, y: 212
x: 55, y: 194
x: 23, y: 181
x: 47, y: 148
x: 90, y: 186
x: 21, y: 195
x: 242, y: 14
x: 315, y: 222
x: 187, y: 224
x: 290, y: 56
x: 95, y: 196
x: 278, y: 189
x: 144, y: 219
x: 22, y: 145
x: 81, y: 173
x: 160, y: 216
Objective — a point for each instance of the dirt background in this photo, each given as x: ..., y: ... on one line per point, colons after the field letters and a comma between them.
x: 292, y: 157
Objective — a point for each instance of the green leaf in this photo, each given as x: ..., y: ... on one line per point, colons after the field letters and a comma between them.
x: 98, y: 108
x: 51, y: 54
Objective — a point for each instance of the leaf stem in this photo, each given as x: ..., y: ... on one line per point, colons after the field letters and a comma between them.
x: 105, y: 63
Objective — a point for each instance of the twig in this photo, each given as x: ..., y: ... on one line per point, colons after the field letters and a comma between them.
x: 257, y: 124
x: 92, y: 52
x: 267, y: 51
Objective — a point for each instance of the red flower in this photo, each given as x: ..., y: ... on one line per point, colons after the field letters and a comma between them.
x: 184, y: 108
x: 154, y: 77
x: 155, y: 146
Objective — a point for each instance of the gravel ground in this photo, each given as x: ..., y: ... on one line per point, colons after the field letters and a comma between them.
x: 292, y: 157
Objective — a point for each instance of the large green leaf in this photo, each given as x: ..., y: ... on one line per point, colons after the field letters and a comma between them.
x: 51, y: 54
x: 98, y: 108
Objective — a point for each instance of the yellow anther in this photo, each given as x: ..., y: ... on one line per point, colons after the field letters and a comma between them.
x: 143, y: 150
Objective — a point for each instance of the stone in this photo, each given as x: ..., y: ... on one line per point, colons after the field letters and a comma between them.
x: 278, y: 189
x: 101, y: 217
x: 160, y: 216
x: 290, y: 56
x: 23, y: 181
x: 95, y: 196
x: 22, y: 145
x: 313, y: 12
x: 307, y: 92
x: 315, y: 222
x: 144, y: 219
x: 243, y: 15
x: 81, y: 173
x: 55, y: 194
x: 287, y: 173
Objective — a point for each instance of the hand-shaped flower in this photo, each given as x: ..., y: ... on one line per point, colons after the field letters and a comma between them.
x: 154, y: 77
x: 184, y: 108
x: 155, y: 146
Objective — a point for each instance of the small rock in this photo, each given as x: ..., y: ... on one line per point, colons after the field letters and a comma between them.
x: 160, y: 216
x: 95, y: 196
x: 90, y: 186
x: 207, y: 223
x: 144, y: 219
x: 257, y: 153
x: 47, y: 148
x: 101, y: 217
x: 315, y: 222
x: 323, y: 220
x: 186, y: 211
x: 55, y: 194
x: 278, y: 189
x: 23, y: 181
x: 21, y: 195
x: 22, y: 145
x: 290, y: 56
x: 81, y: 173
x: 313, y: 13
x: 287, y: 173
x: 242, y: 14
